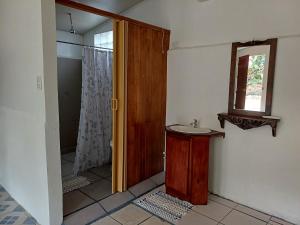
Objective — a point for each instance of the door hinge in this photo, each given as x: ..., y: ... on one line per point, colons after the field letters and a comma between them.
x: 114, y: 104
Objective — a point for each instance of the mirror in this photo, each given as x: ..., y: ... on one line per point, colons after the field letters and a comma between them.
x: 251, y: 79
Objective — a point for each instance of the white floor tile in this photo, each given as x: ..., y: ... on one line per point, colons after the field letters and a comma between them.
x: 131, y: 215
x: 116, y: 200
x: 254, y: 213
x: 106, y: 221
x: 213, y: 210
x: 85, y: 216
x: 223, y: 201
x: 193, y: 218
x: 142, y: 187
x: 239, y: 218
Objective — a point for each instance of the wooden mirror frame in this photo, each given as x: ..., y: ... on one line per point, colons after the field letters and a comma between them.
x: 271, y: 71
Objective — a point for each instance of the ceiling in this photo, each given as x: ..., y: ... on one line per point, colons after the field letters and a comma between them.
x: 84, y: 21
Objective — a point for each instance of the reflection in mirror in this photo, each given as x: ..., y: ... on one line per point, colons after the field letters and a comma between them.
x: 252, y: 65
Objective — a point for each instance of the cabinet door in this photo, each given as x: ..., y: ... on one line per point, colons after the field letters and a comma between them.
x: 199, y: 170
x: 177, y: 166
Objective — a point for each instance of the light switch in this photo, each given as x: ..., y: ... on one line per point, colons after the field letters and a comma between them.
x: 39, y: 83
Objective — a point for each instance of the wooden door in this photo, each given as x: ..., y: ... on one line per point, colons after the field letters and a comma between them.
x: 242, y: 82
x: 177, y: 166
x: 146, y: 84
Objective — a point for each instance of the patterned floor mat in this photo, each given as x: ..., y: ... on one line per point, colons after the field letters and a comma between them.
x: 73, y: 183
x: 164, y: 206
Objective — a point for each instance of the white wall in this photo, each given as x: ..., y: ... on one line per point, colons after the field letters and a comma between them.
x: 67, y: 50
x: 23, y: 115
x: 250, y: 167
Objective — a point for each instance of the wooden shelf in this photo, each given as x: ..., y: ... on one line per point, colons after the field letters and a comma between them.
x: 248, y: 122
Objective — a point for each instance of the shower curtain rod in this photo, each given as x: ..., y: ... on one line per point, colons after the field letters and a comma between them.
x: 71, y: 43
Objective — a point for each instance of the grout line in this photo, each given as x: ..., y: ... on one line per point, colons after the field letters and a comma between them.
x: 226, y: 215
x: 219, y: 196
x: 223, y: 204
x: 113, y: 210
x: 151, y: 178
x: 98, y: 218
x: 87, y: 195
x: 114, y: 219
x: 145, y: 219
x: 135, y: 197
x: 252, y: 215
x: 269, y: 220
x: 102, y: 207
x: 199, y: 213
x: 232, y: 209
x: 77, y: 210
x: 279, y: 222
x: 102, y: 177
x: 115, y: 194
x: 109, y: 213
x: 151, y: 189
x: 82, y: 208
x: 96, y: 199
x: 122, y: 206
x: 235, y: 208
x: 152, y: 214
x: 131, y: 192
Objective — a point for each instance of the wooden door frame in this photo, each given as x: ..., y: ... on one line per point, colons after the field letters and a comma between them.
x: 110, y: 15
x: 119, y: 183
x: 119, y: 108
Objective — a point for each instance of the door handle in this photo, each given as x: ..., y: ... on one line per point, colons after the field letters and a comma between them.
x: 114, y: 104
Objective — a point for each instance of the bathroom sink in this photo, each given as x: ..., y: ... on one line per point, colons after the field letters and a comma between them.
x: 189, y: 129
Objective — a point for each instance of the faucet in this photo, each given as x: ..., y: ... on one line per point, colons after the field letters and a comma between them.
x: 195, y: 123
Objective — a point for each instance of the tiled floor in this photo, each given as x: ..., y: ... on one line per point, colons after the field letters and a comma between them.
x: 85, y: 198
x: 219, y: 211
x: 118, y: 209
x: 92, y: 202
x: 11, y: 212
x: 88, y: 204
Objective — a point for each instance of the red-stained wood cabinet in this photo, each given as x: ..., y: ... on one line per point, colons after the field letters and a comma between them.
x: 187, y: 159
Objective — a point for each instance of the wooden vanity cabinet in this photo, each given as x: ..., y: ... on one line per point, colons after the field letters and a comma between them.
x: 187, y: 158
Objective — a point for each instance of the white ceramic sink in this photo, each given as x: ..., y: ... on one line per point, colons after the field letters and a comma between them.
x: 189, y: 129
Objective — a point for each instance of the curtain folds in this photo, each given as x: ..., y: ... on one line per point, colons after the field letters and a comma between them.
x: 95, y: 126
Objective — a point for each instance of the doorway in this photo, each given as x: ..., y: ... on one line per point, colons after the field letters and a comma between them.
x: 85, y: 52
x: 138, y: 111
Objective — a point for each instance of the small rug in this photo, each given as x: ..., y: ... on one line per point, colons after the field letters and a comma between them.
x: 74, y: 183
x: 164, y: 206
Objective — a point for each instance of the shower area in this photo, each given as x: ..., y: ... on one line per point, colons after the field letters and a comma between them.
x: 84, y: 66
x: 85, y: 92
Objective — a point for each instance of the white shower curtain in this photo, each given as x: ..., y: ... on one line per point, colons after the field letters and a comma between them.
x: 95, y: 126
